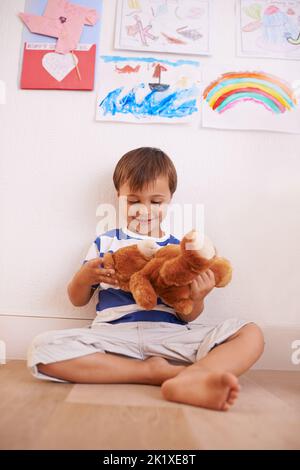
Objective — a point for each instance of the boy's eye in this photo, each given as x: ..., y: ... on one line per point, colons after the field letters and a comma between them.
x: 137, y: 202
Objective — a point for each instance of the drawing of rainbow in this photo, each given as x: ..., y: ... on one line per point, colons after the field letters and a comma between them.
x: 235, y: 87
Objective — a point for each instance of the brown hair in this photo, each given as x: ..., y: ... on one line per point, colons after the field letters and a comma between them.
x: 141, y: 166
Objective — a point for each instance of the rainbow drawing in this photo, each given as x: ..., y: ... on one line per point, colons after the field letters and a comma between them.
x: 268, y: 90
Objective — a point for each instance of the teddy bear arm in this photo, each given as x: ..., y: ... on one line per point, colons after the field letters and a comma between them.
x: 141, y: 286
x: 128, y: 260
x: 143, y: 291
x: 179, y: 299
x: 176, y: 272
x: 222, y: 270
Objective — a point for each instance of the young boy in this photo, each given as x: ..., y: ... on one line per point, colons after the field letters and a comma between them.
x: 194, y: 363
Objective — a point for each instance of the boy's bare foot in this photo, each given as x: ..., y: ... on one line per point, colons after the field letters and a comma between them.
x: 161, y: 370
x: 204, y: 388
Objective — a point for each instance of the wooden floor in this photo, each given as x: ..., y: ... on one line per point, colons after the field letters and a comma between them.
x: 42, y: 415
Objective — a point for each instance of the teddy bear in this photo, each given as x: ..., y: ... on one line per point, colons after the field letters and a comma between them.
x: 149, y: 272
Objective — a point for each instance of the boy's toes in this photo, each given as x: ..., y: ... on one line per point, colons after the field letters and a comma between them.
x: 230, y: 380
x: 233, y: 393
x: 225, y: 407
x: 231, y: 399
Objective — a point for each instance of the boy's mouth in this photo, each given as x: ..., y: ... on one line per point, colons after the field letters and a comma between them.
x: 147, y: 221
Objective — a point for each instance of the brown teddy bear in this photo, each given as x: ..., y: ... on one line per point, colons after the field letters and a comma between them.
x: 149, y: 272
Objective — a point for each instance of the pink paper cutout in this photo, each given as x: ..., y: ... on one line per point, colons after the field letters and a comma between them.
x: 62, y: 20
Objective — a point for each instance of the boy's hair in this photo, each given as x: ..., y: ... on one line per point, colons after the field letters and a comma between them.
x: 142, y: 166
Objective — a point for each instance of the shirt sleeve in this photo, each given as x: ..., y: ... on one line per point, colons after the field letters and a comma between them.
x: 93, y: 252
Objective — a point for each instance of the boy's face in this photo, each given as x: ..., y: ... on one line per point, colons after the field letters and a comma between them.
x: 146, y: 209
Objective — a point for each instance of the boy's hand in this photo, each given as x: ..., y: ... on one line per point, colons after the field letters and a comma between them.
x: 92, y: 273
x: 202, y: 285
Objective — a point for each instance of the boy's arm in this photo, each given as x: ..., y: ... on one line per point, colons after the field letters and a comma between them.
x: 79, y: 293
x: 80, y: 289
x: 200, y: 288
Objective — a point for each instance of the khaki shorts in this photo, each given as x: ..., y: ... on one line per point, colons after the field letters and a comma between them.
x: 180, y: 344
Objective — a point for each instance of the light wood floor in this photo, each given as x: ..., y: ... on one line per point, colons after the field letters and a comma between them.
x: 41, y: 415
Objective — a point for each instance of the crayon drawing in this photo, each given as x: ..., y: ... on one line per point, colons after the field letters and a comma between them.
x: 268, y: 28
x: 259, y: 100
x: 178, y: 26
x: 148, y: 90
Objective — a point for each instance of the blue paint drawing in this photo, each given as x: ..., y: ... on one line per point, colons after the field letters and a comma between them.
x: 161, y: 90
x: 148, y: 60
x: 171, y: 104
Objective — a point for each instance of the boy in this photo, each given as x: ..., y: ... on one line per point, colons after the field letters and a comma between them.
x: 194, y: 363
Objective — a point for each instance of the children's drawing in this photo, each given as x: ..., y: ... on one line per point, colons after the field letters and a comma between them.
x: 178, y: 26
x: 295, y: 42
x: 158, y: 68
x: 59, y: 49
x: 269, y: 28
x: 250, y: 100
x: 262, y: 88
x: 63, y: 20
x: 127, y: 69
x: 148, y: 90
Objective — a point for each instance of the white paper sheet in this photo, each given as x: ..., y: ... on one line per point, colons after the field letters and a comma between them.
x: 267, y: 28
x: 148, y: 90
x: 178, y: 26
x: 262, y: 99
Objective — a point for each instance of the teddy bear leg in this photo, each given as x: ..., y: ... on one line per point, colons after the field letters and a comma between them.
x: 142, y: 291
x: 184, y: 306
x: 222, y: 271
x: 195, y: 258
x: 178, y: 298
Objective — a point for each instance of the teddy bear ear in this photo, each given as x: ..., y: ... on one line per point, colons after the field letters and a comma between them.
x: 148, y: 248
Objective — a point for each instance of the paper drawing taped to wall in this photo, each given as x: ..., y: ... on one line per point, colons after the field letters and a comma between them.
x: 178, y: 26
x: 247, y: 99
x: 148, y: 90
x: 267, y: 28
x: 60, y: 40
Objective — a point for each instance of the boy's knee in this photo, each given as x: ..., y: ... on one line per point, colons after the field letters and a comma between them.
x: 254, y: 334
x: 36, y: 348
x: 41, y: 339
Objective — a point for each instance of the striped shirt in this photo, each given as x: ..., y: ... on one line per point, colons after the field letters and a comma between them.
x: 116, y: 305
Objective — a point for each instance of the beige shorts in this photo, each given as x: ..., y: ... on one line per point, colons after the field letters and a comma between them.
x: 180, y: 344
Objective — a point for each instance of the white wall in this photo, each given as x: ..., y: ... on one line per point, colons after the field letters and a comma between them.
x: 56, y: 167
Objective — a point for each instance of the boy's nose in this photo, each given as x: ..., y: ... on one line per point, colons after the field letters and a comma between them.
x: 144, y: 212
x: 140, y: 210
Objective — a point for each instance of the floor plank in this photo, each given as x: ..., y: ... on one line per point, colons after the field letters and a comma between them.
x: 26, y: 405
x: 44, y: 415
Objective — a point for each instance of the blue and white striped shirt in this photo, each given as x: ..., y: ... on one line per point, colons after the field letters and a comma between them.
x: 114, y: 304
